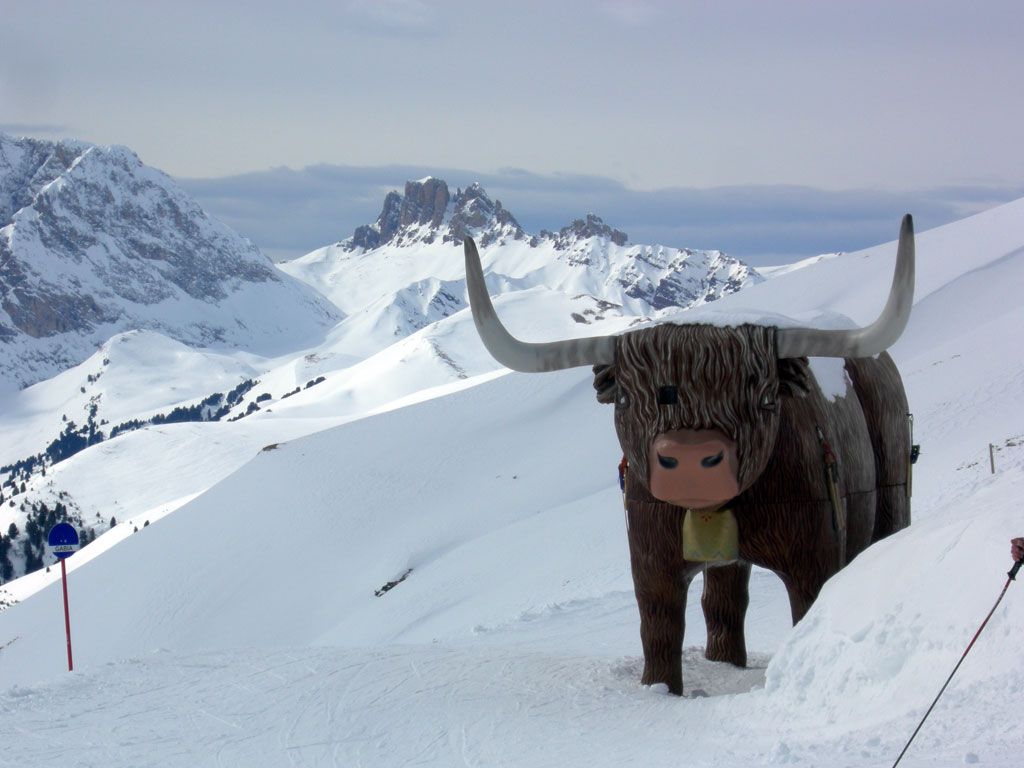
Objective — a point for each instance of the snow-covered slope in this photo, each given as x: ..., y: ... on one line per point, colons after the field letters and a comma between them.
x: 142, y: 375
x: 93, y: 242
x: 220, y: 634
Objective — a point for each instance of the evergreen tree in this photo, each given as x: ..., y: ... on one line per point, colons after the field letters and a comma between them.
x: 33, y: 562
x: 6, y: 569
x: 32, y: 532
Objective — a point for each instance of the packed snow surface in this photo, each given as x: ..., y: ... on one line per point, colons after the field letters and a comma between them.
x: 246, y: 628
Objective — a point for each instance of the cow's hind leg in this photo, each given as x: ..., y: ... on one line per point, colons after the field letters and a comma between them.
x: 860, y: 524
x: 893, y: 511
x: 725, y: 600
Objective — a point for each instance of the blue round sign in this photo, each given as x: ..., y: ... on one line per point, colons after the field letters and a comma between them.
x: 63, y: 540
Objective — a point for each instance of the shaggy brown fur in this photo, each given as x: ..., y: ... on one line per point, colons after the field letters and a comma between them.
x: 729, y: 379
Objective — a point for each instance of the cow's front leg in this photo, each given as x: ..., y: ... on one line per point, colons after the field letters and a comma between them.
x: 725, y: 600
x: 660, y: 580
x: 661, y: 599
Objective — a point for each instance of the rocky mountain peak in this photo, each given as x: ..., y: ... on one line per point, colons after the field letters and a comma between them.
x: 427, y: 210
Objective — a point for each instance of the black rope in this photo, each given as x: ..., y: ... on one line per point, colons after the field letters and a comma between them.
x: 1012, y: 577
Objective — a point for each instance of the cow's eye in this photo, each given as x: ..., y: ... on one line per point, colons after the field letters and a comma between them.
x: 768, y: 401
x: 623, y: 399
x: 668, y: 396
x: 712, y: 461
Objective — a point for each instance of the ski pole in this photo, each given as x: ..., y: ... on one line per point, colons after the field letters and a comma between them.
x: 1012, y: 573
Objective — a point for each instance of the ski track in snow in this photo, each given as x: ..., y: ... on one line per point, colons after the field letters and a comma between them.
x: 343, y: 707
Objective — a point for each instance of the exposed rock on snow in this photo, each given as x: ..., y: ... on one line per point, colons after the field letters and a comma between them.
x: 582, y: 229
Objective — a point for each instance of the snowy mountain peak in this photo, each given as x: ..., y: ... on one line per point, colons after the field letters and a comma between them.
x: 93, y: 242
x: 584, y: 229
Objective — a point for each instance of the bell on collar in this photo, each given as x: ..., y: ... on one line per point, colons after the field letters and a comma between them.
x: 710, y: 537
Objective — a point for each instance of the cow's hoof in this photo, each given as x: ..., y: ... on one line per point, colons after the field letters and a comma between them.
x: 674, y: 683
x: 734, y: 656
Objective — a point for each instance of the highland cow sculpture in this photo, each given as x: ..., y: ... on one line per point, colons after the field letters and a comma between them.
x: 736, y: 456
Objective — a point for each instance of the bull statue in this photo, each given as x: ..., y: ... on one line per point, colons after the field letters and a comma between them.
x: 732, y: 447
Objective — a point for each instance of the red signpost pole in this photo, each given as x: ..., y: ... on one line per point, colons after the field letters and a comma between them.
x: 67, y: 614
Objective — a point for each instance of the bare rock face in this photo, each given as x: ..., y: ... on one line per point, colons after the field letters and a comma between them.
x: 427, y: 211
x: 93, y: 243
x: 369, y: 236
x: 425, y: 203
x: 412, y: 217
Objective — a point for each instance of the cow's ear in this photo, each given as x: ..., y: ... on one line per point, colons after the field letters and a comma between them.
x: 604, y: 383
x: 794, y: 376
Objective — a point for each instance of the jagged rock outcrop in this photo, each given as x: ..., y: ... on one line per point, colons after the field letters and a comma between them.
x: 369, y: 236
x: 93, y: 243
x: 476, y: 215
x: 425, y: 203
x: 427, y: 211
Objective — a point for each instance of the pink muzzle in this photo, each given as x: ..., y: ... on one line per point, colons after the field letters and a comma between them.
x: 696, y: 469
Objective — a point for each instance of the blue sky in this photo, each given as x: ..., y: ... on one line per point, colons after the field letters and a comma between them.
x: 770, y: 130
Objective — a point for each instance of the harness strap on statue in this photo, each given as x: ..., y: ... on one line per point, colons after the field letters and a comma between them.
x: 623, y: 468
x: 915, y: 450
x: 832, y: 484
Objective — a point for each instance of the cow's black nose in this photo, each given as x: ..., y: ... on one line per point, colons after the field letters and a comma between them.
x: 668, y: 462
x: 712, y: 461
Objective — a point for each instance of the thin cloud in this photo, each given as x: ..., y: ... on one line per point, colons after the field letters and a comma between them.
x: 390, y: 16
x: 630, y: 14
x: 291, y: 212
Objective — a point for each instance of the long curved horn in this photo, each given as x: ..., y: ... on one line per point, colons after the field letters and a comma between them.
x: 875, y: 338
x: 520, y: 355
